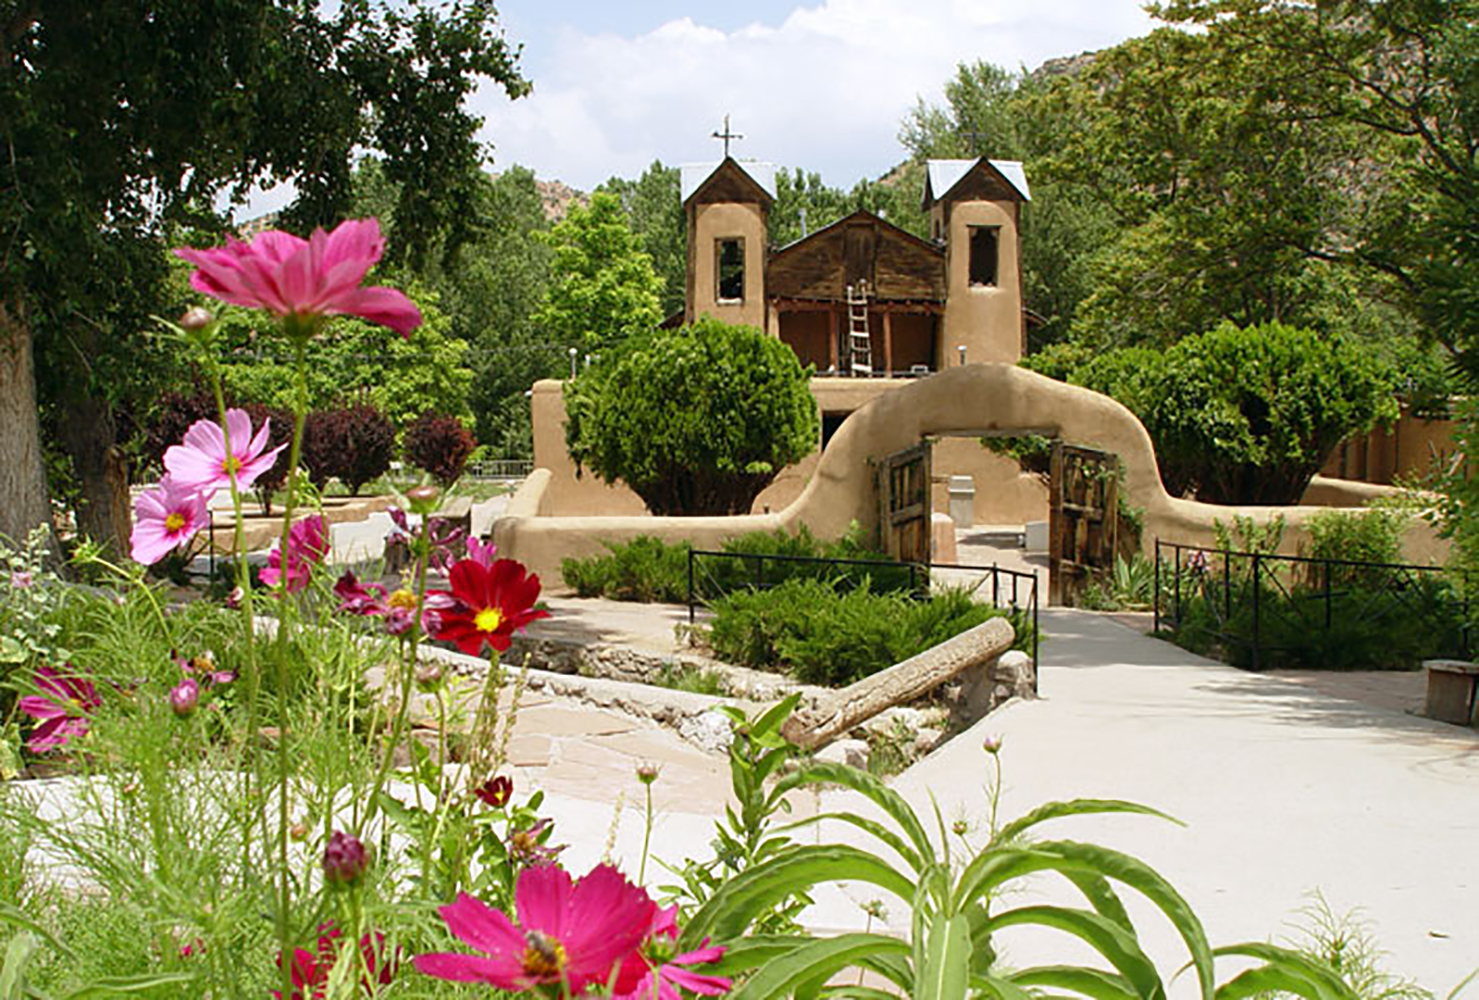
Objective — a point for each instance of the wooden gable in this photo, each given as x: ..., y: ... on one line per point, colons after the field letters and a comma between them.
x: 860, y: 247
x: 983, y: 183
x: 729, y: 183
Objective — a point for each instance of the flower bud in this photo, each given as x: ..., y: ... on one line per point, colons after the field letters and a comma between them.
x: 647, y: 773
x: 195, y: 319
x: 428, y: 676
x: 298, y: 831
x: 992, y: 745
x: 960, y: 828
x: 184, y: 696
x: 423, y: 499
x: 345, y: 859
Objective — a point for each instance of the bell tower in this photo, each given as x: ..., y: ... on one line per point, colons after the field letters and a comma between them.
x: 726, y: 208
x: 975, y: 210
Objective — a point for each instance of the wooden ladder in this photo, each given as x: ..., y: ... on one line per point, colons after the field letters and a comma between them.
x: 859, y: 341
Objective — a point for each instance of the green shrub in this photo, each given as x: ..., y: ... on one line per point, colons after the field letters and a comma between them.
x: 1128, y: 586
x: 1373, y: 535
x: 645, y: 569
x: 822, y: 636
x: 1386, y: 624
x: 648, y: 569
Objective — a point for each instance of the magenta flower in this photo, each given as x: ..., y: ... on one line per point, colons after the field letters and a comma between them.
x: 311, y: 969
x: 21, y: 579
x: 304, y: 280
x: 444, y: 535
x: 308, y: 543
x: 61, y: 710
x: 201, y: 463
x: 370, y: 599
x: 184, y: 696
x: 575, y: 933
x: 658, y: 972
x: 480, y: 552
x: 166, y: 517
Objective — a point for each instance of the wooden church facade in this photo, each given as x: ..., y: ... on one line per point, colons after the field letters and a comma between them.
x: 862, y: 297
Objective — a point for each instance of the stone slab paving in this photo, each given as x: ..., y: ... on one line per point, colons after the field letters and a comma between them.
x: 1285, y: 787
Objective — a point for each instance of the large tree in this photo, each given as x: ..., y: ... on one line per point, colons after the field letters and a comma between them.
x: 604, y: 288
x: 1405, y: 73
x: 696, y: 420
x: 122, y: 122
x: 654, y: 207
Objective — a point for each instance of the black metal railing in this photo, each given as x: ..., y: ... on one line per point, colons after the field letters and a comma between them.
x: 761, y: 571
x: 500, y: 468
x: 1267, y: 610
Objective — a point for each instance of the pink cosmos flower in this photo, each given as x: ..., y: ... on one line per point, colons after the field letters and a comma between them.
x: 303, y: 280
x: 480, y: 552
x: 167, y: 516
x: 660, y: 976
x: 201, y: 463
x: 308, y: 542
x: 575, y: 933
x: 61, y: 710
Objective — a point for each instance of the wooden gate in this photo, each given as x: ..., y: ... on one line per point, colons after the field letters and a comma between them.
x: 904, y: 504
x: 1083, y: 517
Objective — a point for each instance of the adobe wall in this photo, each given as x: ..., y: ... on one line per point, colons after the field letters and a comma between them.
x: 1412, y: 449
x: 1003, y: 494
x: 964, y: 401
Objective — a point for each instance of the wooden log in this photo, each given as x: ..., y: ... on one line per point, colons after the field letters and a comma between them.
x: 900, y: 683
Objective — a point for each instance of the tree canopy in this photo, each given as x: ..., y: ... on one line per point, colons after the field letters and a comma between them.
x: 603, y: 288
x: 696, y: 420
x: 1238, y: 415
x: 123, y: 123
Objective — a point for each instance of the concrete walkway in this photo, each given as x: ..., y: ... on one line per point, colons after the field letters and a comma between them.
x: 1284, y: 789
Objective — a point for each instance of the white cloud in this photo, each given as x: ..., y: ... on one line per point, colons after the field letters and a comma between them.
x: 825, y: 90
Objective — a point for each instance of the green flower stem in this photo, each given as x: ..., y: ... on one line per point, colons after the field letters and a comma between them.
x: 408, y: 670
x: 646, y: 835
x: 284, y: 892
x: 249, y: 624
x: 440, y: 804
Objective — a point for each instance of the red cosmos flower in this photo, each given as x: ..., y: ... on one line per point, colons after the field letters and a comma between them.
x: 303, y: 281
x: 569, y: 932
x: 311, y: 969
x: 496, y: 792
x: 493, y: 602
x: 61, y: 710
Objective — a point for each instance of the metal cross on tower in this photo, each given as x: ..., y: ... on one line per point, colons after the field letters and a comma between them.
x: 726, y: 135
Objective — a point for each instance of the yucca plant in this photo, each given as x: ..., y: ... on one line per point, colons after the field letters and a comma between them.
x: 948, y: 954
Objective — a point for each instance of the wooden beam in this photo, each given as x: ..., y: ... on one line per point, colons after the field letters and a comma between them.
x: 917, y: 308
x: 899, y: 684
x: 888, y: 343
x: 834, y: 326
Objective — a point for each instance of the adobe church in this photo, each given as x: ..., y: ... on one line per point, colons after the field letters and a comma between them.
x: 862, y: 297
x: 868, y: 304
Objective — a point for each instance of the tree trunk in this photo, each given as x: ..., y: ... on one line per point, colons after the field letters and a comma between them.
x: 23, y: 496
x: 86, y: 428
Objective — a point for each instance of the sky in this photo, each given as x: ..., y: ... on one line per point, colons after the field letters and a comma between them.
x: 822, y: 85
